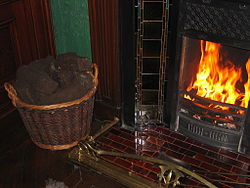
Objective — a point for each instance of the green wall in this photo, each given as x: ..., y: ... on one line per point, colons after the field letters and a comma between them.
x: 71, y: 26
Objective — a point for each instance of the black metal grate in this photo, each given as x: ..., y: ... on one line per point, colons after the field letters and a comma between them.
x: 224, y: 22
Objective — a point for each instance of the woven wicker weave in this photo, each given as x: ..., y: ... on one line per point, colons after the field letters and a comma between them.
x: 57, y: 126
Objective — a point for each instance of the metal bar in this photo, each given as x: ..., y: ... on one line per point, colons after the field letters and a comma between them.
x: 106, y: 128
x: 185, y: 102
x: 165, y: 157
x: 213, y: 102
x: 222, y: 173
x: 156, y: 161
x: 228, y: 182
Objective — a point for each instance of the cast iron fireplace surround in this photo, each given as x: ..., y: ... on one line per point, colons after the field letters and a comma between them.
x: 224, y: 22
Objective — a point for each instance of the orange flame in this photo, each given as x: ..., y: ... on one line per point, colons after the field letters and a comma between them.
x: 247, y: 87
x: 216, y: 80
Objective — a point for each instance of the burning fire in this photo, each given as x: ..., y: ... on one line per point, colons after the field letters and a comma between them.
x: 216, y: 80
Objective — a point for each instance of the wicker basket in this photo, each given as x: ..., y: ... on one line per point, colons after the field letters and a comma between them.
x: 57, y: 126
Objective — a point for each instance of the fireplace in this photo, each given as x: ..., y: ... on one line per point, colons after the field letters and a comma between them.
x: 211, y: 84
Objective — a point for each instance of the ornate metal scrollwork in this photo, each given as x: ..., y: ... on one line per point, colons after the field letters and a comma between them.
x: 170, y: 172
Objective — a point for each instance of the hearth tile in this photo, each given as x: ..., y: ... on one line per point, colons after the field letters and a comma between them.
x: 190, y: 183
x: 222, y: 177
x: 104, y: 140
x: 146, y: 146
x: 232, y: 177
x: 148, y: 153
x: 163, y: 130
x: 186, y: 152
x: 149, y: 143
x: 174, y: 154
x: 152, y: 176
x: 244, y: 158
x: 129, y: 144
x: 147, y: 140
x: 154, y: 147
x: 243, y: 180
x: 223, y: 185
x: 139, y: 170
x: 128, y: 136
x: 103, y: 146
x: 229, y: 153
x: 209, y: 167
x: 185, y: 145
x: 151, y: 133
x: 166, y: 138
x: 152, y: 167
x: 123, y: 163
x: 115, y: 138
x: 198, y: 149
x: 247, y: 180
x: 214, y: 176
x: 215, y: 155
x: 204, y: 158
x: 151, y: 128
x: 192, y: 161
x: 240, y: 171
x: 116, y: 132
x: 222, y: 165
x: 233, y: 162
x: 171, y: 146
x: 246, y: 166
x: 193, y: 142
x: 129, y: 150
x: 154, y: 140
x: 211, y: 148
x: 178, y: 136
x: 117, y: 146
x: 108, y: 158
x: 137, y: 162
x: 125, y: 130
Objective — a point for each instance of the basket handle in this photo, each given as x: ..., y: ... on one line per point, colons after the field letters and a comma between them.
x: 11, y: 92
x: 96, y: 72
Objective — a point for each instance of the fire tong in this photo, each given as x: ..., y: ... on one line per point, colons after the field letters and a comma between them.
x: 170, y: 172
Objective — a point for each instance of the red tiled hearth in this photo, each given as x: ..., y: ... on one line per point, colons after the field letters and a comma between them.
x: 223, y: 166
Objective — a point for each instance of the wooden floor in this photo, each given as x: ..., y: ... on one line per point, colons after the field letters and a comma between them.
x: 22, y: 164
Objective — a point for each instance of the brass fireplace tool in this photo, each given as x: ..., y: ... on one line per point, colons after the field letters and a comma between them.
x: 86, y: 153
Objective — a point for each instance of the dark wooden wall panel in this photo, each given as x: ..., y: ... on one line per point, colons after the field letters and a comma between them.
x: 7, y: 53
x: 25, y: 35
x: 104, y: 28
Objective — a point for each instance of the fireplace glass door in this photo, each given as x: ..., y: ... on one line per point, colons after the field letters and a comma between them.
x: 214, y: 90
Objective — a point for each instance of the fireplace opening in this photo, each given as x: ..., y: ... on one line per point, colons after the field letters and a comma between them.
x: 215, y: 83
x: 211, y: 85
x: 214, y: 88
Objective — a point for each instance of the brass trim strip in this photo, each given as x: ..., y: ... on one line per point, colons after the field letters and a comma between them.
x: 125, y: 177
x: 85, y: 153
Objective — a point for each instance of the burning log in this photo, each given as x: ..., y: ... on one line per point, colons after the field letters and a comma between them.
x: 202, y: 110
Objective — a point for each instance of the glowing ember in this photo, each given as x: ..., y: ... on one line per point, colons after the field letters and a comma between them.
x: 216, y: 80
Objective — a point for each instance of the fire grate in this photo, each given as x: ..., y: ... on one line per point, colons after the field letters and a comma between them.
x: 203, y: 109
